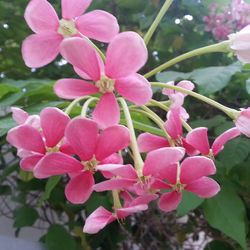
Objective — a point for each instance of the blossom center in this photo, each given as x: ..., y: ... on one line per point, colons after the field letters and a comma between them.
x: 179, y: 187
x: 90, y: 165
x: 105, y: 85
x: 52, y: 150
x: 67, y: 28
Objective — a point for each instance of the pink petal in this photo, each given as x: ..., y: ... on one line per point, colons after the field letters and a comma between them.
x: 167, y: 91
x: 190, y: 150
x: 162, y: 185
x: 125, y: 171
x: 159, y: 160
x: 243, y: 55
x: 123, y: 60
x: 106, y: 147
x: 193, y: 168
x: 186, y: 85
x: 79, y: 188
x: 82, y: 55
x: 107, y: 111
x: 221, y: 140
x: 243, y: 121
x: 82, y: 134
x: 148, y: 142
x: 74, y: 88
x: 82, y: 74
x: 144, y: 199
x: 113, y: 159
x: 19, y: 115
x: 98, y: 220
x: 40, y: 49
x: 53, y: 123
x: 124, y: 212
x: 26, y: 137
x: 56, y: 164
x: 99, y: 25
x: 113, y: 184
x: 34, y: 121
x: 29, y: 163
x: 199, y: 140
x: 170, y: 201
x: 74, y: 8
x: 41, y: 16
x: 204, y: 187
x: 135, y: 88
x: 173, y: 124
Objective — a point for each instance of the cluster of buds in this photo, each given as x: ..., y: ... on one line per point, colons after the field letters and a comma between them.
x: 223, y: 21
x: 54, y: 144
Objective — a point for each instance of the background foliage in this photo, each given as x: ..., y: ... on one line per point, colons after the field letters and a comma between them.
x: 222, y: 222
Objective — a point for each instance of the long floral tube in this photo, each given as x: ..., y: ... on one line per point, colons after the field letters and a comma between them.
x: 218, y: 47
x: 230, y: 112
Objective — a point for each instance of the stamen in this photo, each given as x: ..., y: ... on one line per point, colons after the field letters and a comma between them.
x: 105, y: 85
x: 67, y: 28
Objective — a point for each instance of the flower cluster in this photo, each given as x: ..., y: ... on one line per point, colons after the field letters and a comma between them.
x: 222, y: 22
x: 53, y: 143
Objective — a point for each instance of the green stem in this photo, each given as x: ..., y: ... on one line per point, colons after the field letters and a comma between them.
x: 228, y: 111
x: 73, y: 103
x: 157, y: 20
x: 86, y: 106
x: 116, y: 199
x: 218, y: 47
x: 134, y: 146
x: 166, y: 108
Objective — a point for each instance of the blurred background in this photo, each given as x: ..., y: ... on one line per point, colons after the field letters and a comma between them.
x: 36, y: 210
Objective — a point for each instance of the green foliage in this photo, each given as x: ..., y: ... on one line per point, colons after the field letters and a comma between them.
x: 25, y: 216
x: 226, y: 212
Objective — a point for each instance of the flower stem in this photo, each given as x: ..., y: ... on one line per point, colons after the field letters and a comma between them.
x: 73, y: 104
x: 86, y: 106
x: 157, y: 20
x: 134, y: 146
x: 230, y: 112
x: 218, y: 47
x: 116, y: 199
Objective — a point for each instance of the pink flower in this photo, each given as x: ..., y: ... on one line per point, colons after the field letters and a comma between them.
x: 240, y: 44
x: 198, y: 138
x: 192, y: 177
x: 118, y: 74
x: 243, y: 122
x: 177, y: 98
x: 33, y: 143
x: 93, y: 148
x: 42, y: 47
x: 148, y: 142
x: 102, y: 217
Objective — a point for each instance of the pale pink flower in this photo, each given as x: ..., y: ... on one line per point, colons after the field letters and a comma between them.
x: 93, y: 148
x: 240, y: 44
x: 242, y: 122
x: 198, y: 138
x: 118, y: 74
x: 177, y: 98
x: 35, y: 144
x: 42, y: 47
x: 192, y: 177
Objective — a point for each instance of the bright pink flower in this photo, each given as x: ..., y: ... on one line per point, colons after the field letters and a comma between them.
x: 102, y: 217
x: 173, y: 126
x: 198, y: 138
x: 243, y: 122
x: 42, y: 47
x: 177, y: 98
x: 192, y: 177
x: 118, y: 74
x: 240, y: 44
x: 93, y: 148
x: 33, y: 143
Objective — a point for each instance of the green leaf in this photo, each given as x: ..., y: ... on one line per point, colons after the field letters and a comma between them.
x: 5, y: 190
x: 226, y: 212
x: 189, y: 202
x: 209, y: 80
x: 58, y: 238
x: 50, y: 185
x: 248, y: 85
x: 25, y: 216
x: 5, y: 89
x: 209, y: 123
x: 26, y: 176
x: 6, y: 124
x: 235, y: 152
x: 218, y: 245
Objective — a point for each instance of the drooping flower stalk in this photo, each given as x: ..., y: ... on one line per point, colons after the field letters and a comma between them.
x: 157, y: 20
